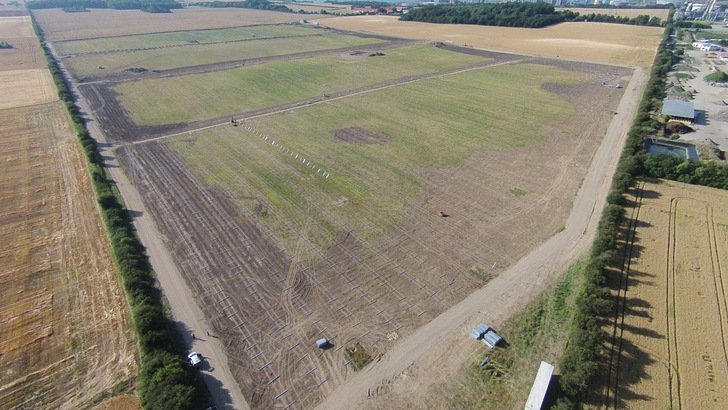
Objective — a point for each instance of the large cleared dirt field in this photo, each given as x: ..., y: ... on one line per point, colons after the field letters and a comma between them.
x: 669, y: 341
x: 65, y: 336
x: 298, y: 190
x: 598, y: 42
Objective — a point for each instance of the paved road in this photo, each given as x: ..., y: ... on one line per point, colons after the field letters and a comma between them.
x: 216, y: 373
x: 553, y: 256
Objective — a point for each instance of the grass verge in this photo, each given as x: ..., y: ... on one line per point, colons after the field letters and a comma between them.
x: 537, y: 334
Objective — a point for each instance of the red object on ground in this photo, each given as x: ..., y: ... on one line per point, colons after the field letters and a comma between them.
x: 442, y: 213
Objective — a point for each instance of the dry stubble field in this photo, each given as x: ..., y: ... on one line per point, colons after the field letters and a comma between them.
x: 595, y: 42
x: 60, y: 25
x: 669, y: 339
x: 65, y: 336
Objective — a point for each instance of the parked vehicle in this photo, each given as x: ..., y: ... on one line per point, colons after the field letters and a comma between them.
x: 195, y: 359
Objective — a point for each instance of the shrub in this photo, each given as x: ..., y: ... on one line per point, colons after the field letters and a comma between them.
x: 717, y: 77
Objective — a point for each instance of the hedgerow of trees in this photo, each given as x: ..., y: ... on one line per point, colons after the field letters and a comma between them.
x: 151, y: 6
x: 528, y: 15
x: 579, y: 362
x: 248, y: 4
x: 165, y: 381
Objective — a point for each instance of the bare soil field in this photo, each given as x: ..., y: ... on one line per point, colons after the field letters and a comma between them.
x: 661, y: 13
x: 26, y: 87
x: 269, y: 306
x: 66, y: 338
x: 60, y: 25
x: 668, y: 345
x: 594, y: 42
x: 26, y: 53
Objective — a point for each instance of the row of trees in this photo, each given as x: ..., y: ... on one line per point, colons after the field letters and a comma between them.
x: 166, y: 381
x: 528, y: 15
x: 531, y: 15
x: 641, y: 20
x: 247, y: 4
x: 594, y: 303
x: 152, y: 6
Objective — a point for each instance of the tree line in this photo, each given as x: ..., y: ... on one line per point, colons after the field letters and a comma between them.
x: 151, y: 6
x: 247, y: 4
x: 527, y: 15
x: 594, y: 304
x: 165, y: 381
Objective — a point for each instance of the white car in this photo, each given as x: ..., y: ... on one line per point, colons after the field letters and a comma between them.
x: 195, y: 359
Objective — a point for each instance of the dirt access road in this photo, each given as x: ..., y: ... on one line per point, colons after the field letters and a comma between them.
x: 442, y: 336
x: 224, y: 389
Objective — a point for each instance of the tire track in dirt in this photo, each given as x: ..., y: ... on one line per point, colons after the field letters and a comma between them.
x: 615, y: 348
x: 673, y: 368
x: 720, y: 291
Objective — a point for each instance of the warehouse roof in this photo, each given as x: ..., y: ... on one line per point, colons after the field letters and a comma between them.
x: 683, y: 109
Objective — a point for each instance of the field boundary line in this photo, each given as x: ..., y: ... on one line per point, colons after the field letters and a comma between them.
x: 673, y: 367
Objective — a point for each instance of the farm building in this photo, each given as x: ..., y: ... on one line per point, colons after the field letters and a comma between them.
x: 682, y: 111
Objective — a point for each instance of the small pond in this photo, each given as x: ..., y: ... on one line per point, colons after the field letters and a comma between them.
x: 674, y: 148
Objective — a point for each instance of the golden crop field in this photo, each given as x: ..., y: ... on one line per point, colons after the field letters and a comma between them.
x: 66, y: 338
x: 595, y: 42
x: 26, y: 53
x: 669, y: 349
x: 26, y: 87
x: 60, y: 25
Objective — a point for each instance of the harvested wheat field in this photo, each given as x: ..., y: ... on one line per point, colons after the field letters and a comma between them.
x: 25, y: 53
x: 595, y: 42
x: 60, y: 25
x: 66, y: 335
x: 65, y: 338
x: 668, y: 347
x: 22, y: 88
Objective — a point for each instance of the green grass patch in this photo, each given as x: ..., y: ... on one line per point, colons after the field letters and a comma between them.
x: 686, y: 67
x: 147, y: 41
x: 175, y: 57
x: 358, y: 355
x: 518, y: 192
x: 683, y: 75
x: 436, y: 122
x: 717, y: 77
x: 536, y: 334
x: 220, y: 93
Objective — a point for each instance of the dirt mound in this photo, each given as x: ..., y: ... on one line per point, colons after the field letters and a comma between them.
x: 721, y: 116
x: 358, y: 135
x: 674, y: 127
